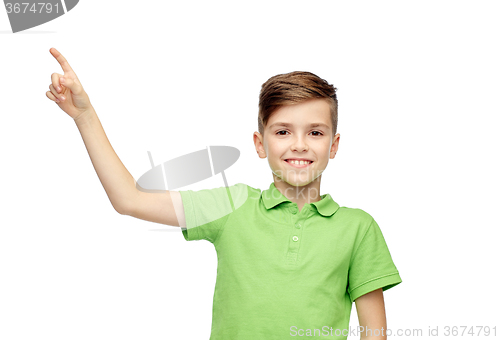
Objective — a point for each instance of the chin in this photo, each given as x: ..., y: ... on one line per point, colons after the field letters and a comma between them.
x: 297, y: 183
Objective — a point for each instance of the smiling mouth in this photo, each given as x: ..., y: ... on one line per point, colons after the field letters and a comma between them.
x: 299, y: 164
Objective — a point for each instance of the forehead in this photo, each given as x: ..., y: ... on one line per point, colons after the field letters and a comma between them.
x: 305, y: 113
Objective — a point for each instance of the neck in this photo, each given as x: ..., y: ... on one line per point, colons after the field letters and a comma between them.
x: 299, y: 194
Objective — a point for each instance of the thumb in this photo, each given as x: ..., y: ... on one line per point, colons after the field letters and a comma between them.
x: 73, y: 85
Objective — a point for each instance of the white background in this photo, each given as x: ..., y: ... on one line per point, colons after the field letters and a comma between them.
x: 419, y: 113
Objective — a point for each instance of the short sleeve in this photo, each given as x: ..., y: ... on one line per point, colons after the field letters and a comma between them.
x: 207, y: 211
x: 371, y: 265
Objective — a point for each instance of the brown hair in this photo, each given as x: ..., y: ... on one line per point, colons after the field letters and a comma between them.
x: 293, y: 88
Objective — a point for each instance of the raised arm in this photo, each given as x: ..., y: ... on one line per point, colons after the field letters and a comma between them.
x: 162, y: 207
x: 67, y: 91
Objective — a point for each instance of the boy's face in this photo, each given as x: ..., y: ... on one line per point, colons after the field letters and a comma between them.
x: 298, y: 140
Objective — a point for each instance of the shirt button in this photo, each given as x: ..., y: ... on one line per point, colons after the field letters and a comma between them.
x: 295, y: 238
x: 294, y: 210
x: 297, y: 226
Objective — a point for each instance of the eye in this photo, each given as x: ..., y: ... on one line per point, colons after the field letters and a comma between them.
x: 279, y: 133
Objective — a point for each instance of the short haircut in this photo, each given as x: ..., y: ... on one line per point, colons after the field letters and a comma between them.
x: 293, y: 88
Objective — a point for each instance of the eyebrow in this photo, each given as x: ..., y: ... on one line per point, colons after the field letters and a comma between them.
x: 291, y: 125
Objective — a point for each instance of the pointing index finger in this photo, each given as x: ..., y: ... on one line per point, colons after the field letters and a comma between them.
x: 62, y: 61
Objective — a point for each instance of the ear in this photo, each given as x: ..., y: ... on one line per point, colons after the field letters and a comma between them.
x: 258, y: 140
x: 335, y: 146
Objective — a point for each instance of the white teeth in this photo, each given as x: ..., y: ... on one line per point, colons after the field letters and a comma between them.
x: 299, y: 162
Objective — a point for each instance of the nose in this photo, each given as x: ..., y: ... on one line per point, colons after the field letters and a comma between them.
x: 299, y: 145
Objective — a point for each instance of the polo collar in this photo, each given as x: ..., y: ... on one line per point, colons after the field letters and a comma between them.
x: 272, y: 197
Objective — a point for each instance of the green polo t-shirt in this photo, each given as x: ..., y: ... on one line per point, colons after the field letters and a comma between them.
x: 281, y: 272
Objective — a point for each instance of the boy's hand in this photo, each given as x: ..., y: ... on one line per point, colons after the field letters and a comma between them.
x: 67, y: 91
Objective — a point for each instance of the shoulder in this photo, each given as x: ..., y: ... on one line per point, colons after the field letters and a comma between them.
x: 240, y: 193
x: 245, y: 191
x: 355, y: 214
x: 236, y: 189
x: 214, y: 196
x: 256, y: 190
x: 355, y: 221
x: 236, y: 193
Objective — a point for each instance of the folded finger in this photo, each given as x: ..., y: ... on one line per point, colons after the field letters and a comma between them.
x: 59, y: 96
x: 55, y: 81
x: 52, y: 97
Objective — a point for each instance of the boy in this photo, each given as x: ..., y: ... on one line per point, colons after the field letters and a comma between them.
x: 290, y: 261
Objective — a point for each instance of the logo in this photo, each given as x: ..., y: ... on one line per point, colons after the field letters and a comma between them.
x: 187, y: 169
x: 27, y: 14
x: 191, y: 168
